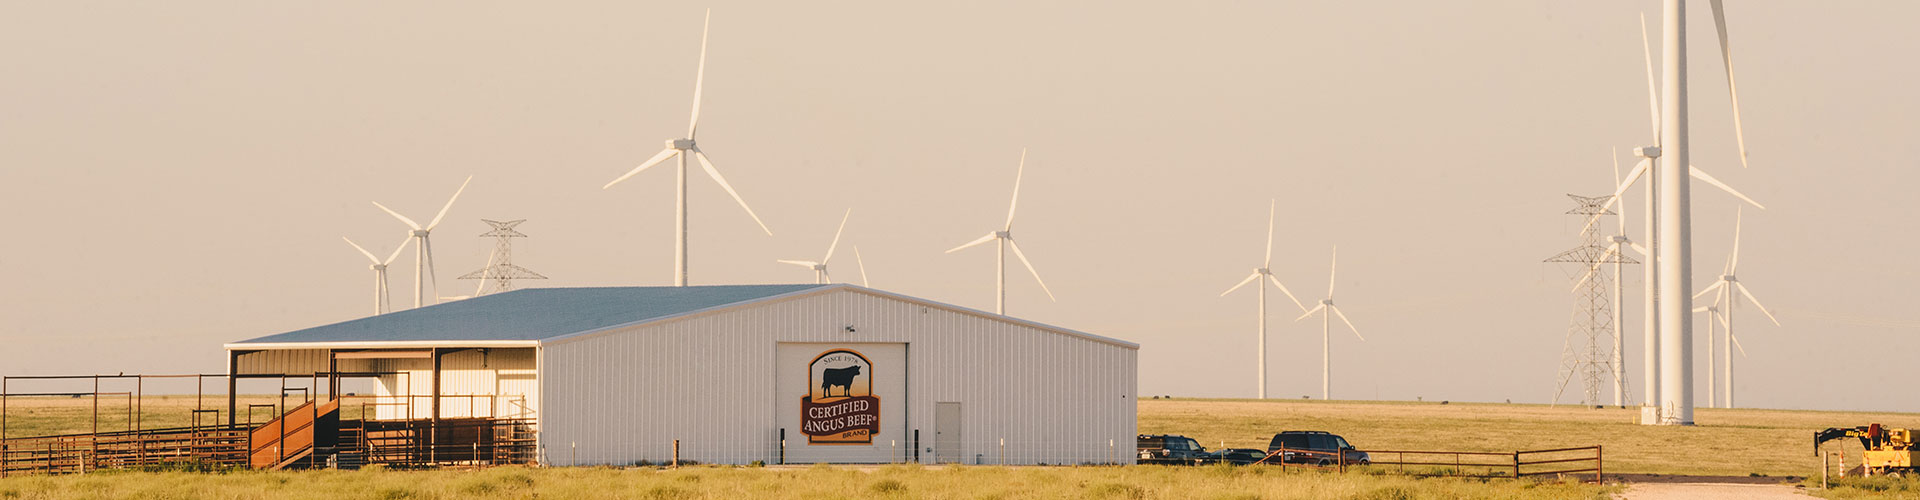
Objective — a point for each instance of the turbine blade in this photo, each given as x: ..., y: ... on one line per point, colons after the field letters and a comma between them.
x: 1702, y: 309
x: 396, y: 251
x: 1283, y: 289
x: 983, y: 239
x: 1030, y: 269
x: 397, y: 215
x: 484, y: 271
x: 1331, y: 270
x: 1016, y: 189
x: 1744, y: 292
x: 802, y: 263
x: 715, y: 174
x: 1270, y: 206
x: 1343, y: 319
x: 700, y: 76
x: 1733, y: 93
x: 1616, y: 181
x: 363, y: 251
x: 1653, y: 94
x: 1715, y: 286
x: 1733, y: 263
x: 1243, y: 282
x: 449, y: 206
x: 863, y: 266
x: 826, y: 276
x: 1310, y: 312
x: 1702, y: 175
x: 836, y: 237
x: 655, y: 160
x: 1730, y: 336
x: 1637, y: 248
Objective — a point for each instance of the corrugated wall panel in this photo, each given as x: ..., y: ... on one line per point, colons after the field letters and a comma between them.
x: 624, y: 396
x: 496, y: 382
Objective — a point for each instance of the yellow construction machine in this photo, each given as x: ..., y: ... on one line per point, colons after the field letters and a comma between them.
x: 1888, y: 450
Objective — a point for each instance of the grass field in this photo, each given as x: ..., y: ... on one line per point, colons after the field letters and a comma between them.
x: 898, y: 481
x: 1726, y: 442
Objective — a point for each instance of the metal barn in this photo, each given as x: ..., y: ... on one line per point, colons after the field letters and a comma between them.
x: 715, y: 374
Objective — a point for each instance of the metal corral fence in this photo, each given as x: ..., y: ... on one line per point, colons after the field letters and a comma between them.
x: 1528, y: 463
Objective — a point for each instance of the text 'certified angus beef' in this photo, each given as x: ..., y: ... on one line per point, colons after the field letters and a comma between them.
x: 852, y: 416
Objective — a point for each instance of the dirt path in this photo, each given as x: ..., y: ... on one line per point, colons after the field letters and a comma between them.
x: 1710, y: 491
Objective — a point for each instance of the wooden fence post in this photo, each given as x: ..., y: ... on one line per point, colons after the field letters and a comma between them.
x: 1516, y: 465
x: 676, y: 453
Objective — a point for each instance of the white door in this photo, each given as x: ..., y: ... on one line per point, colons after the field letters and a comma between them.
x: 946, y: 432
x: 842, y: 402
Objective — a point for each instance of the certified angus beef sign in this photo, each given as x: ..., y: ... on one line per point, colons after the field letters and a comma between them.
x: 840, y: 407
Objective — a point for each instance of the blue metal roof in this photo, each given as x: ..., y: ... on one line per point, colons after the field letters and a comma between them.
x: 531, y: 314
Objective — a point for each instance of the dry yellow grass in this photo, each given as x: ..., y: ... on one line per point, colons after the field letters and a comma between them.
x: 1727, y: 442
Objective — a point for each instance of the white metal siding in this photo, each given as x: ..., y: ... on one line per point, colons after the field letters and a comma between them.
x: 708, y: 380
x: 498, y: 382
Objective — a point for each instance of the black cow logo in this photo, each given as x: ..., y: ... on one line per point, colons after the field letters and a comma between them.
x: 838, y: 377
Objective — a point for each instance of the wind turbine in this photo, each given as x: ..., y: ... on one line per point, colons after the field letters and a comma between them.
x: 1258, y: 273
x: 1670, y: 267
x: 1327, y: 310
x: 1005, y: 238
x: 1732, y: 290
x: 381, y: 303
x: 423, y: 253
x: 820, y: 268
x: 683, y: 148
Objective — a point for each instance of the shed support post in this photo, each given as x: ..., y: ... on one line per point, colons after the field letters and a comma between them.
x: 333, y: 374
x: 433, y: 431
x: 233, y: 374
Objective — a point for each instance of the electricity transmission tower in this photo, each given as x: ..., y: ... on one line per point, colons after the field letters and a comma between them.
x: 1592, y: 343
x: 500, y: 266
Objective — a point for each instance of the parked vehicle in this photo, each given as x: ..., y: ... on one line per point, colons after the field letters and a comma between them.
x: 1236, y: 456
x: 1316, y: 448
x: 1170, y: 449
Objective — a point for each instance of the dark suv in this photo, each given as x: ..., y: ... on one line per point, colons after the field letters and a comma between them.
x: 1319, y: 446
x: 1170, y: 449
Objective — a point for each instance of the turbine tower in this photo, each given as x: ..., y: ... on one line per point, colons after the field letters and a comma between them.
x: 423, y: 252
x: 1731, y: 290
x: 500, y: 269
x: 684, y: 148
x: 1669, y: 158
x: 1587, y: 353
x: 1258, y: 273
x: 381, y: 302
x: 1005, y: 238
x: 820, y: 268
x: 1327, y: 310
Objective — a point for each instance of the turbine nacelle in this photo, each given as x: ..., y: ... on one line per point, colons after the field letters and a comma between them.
x: 1728, y: 277
x: 1647, y: 151
x: 1006, y: 235
x: 1326, y: 302
x: 680, y: 144
x: 1621, y: 239
x: 378, y: 267
x: 420, y: 233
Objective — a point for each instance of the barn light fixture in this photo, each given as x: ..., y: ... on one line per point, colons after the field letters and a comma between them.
x: 850, y: 329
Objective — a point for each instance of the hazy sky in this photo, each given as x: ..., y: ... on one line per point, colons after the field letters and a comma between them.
x: 179, y: 174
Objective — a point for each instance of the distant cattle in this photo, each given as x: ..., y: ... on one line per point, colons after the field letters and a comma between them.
x: 842, y: 377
